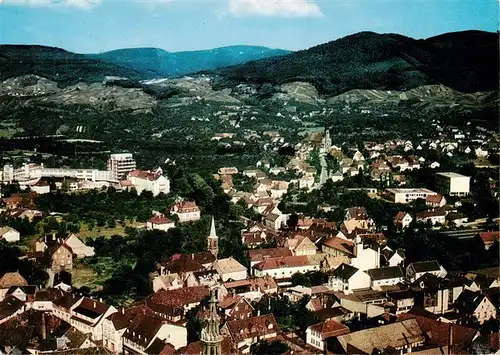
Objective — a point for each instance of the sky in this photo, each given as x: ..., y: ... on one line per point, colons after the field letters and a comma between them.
x: 93, y: 26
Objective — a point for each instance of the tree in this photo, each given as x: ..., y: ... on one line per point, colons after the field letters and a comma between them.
x: 265, y: 347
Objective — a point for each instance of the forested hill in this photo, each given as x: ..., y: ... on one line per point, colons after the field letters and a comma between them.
x: 56, y: 64
x: 465, y: 61
x: 158, y: 62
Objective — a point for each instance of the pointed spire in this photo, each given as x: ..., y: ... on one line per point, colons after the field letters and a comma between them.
x: 212, y: 229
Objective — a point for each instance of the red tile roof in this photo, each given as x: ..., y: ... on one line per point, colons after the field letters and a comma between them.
x: 489, y: 237
x: 12, y: 279
x: 341, y: 244
x: 261, y: 283
x: 281, y: 262
x: 434, y: 198
x: 330, y: 328
x: 160, y: 220
x: 262, y: 254
x: 439, y: 332
x: 179, y: 297
x: 186, y: 206
x: 399, y: 217
x: 182, y: 263
x: 145, y: 175
x: 253, y: 327
x: 124, y: 317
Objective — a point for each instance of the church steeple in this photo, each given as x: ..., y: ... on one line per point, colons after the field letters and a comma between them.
x: 213, y: 240
x: 210, y: 334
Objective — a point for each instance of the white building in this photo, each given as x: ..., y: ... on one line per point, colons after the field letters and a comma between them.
x: 318, y: 334
x: 9, y: 234
x: 407, y: 195
x: 186, y: 211
x: 153, y: 181
x: 160, y: 222
x: 284, y: 267
x: 366, y: 258
x: 453, y: 184
x: 348, y: 278
x: 418, y: 269
x: 386, y: 276
x: 121, y: 164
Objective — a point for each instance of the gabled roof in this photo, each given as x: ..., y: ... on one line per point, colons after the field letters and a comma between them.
x: 48, y: 294
x: 145, y: 175
x: 178, y: 297
x: 204, y: 257
x: 329, y: 329
x: 91, y: 308
x: 160, y: 347
x: 262, y: 283
x: 253, y: 327
x: 124, y: 317
x: 9, y: 306
x: 438, y: 333
x: 344, y: 272
x: 437, y: 198
x: 283, y: 262
x: 489, y: 237
x: 143, y: 329
x: 425, y: 266
x: 400, y: 216
x: 228, y: 265
x: 341, y: 244
x: 160, y: 220
x: 384, y: 273
x: 384, y: 337
x: 67, y: 301
x: 182, y: 263
x: 468, y: 301
x: 12, y: 279
x: 262, y: 254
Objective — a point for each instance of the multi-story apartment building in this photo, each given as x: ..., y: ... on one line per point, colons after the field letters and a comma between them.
x: 121, y: 164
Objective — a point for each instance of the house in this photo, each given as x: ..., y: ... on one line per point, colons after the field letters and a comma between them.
x: 284, y: 267
x: 44, y: 299
x: 258, y: 255
x: 445, y: 337
x: 9, y: 234
x: 253, y: 239
x: 78, y: 247
x: 435, y: 294
x: 273, y: 218
x: 432, y: 217
x: 417, y: 269
x: 244, y: 333
x: 435, y: 201
x: 173, y: 304
x: 230, y: 269
x: 347, y: 278
x: 337, y: 246
x: 87, y: 315
x: 236, y: 307
x: 115, y: 325
x: 391, y: 257
x: 386, y: 276
x: 10, y: 307
x: 10, y: 279
x: 159, y: 222
x: 62, y: 306
x: 251, y: 288
x: 337, y: 176
x: 153, y: 181
x: 74, y: 339
x: 167, y: 282
x: 317, y: 335
x: 300, y: 245
x: 403, y: 220
x: 489, y: 238
x: 472, y: 305
x: 403, y: 300
x: 146, y: 328
x: 23, y: 293
x: 402, y: 337
x: 186, y: 211
x: 365, y: 256
x: 61, y: 257
x: 278, y: 189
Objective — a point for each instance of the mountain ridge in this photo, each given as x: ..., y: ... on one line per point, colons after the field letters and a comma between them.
x: 465, y: 61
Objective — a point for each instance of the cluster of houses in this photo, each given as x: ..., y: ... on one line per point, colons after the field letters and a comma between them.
x: 373, y: 299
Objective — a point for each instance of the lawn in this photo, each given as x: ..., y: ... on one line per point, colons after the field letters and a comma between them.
x: 106, y: 232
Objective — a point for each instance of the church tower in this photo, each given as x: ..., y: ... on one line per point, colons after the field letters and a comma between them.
x: 210, y: 334
x: 213, y: 240
x: 327, y: 143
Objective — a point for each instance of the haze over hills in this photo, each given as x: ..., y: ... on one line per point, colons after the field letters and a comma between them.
x: 158, y: 62
x: 465, y: 61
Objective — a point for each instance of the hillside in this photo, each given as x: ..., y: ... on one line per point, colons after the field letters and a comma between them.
x: 465, y: 61
x: 56, y: 64
x: 157, y: 62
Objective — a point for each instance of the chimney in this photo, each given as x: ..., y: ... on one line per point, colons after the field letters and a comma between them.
x: 123, y: 310
x: 95, y: 304
x: 258, y: 312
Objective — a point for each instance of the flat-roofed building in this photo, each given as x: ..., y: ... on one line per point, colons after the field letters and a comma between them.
x: 408, y: 195
x: 453, y: 184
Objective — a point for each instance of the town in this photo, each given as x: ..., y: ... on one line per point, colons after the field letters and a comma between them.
x: 338, y: 245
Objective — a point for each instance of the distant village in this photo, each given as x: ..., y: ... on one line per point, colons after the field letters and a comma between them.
x: 372, y: 301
